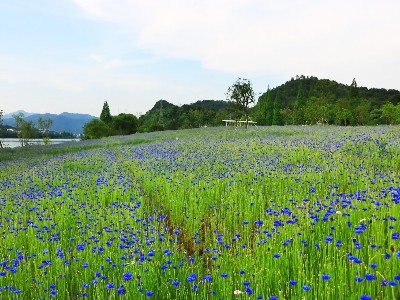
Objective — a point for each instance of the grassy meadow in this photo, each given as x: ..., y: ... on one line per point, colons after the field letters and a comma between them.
x: 211, y: 213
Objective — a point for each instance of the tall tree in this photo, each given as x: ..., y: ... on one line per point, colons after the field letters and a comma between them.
x: 44, y: 126
x: 26, y: 129
x: 353, y: 89
x: 277, y: 118
x: 269, y: 107
x: 105, y: 115
x: 242, y: 93
x: 299, y: 105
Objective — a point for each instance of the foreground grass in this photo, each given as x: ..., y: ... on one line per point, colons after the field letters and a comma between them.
x: 292, y: 212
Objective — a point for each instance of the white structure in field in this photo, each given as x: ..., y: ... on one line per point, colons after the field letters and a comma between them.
x: 238, y: 123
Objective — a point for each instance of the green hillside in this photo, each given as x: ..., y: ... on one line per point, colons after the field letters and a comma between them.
x: 309, y: 100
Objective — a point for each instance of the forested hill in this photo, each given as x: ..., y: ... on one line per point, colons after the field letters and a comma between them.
x: 309, y: 100
x: 167, y: 116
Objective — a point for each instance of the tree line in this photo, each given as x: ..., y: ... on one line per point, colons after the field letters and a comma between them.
x: 309, y: 100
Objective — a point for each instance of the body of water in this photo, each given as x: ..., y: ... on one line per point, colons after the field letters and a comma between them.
x: 12, y: 143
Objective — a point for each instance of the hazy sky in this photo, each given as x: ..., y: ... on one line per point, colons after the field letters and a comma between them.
x: 72, y: 55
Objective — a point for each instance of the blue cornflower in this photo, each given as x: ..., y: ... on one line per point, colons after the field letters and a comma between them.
x: 121, y: 290
x: 249, y: 290
x: 207, y: 278
x: 127, y: 276
x: 53, y: 293
x: 85, y: 265
x: 325, y: 277
x: 85, y: 285
x: 224, y: 275
x: 358, y: 279
x: 306, y: 287
x: 397, y: 277
x: 365, y: 297
x: 241, y: 272
x: 273, y: 298
x: 246, y: 283
x: 292, y: 282
x: 277, y: 255
x: 373, y: 266
x: 395, y: 235
x: 191, y: 277
x: 149, y: 293
x: 110, y: 285
x: 195, y: 287
x: 176, y: 283
x: 370, y: 277
x: 393, y: 283
x: 398, y: 254
x: 52, y: 286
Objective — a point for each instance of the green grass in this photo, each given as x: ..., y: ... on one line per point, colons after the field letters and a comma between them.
x: 208, y: 202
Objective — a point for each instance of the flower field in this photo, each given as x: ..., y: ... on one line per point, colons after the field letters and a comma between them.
x: 216, y: 213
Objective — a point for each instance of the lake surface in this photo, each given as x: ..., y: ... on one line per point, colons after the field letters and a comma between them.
x: 12, y: 143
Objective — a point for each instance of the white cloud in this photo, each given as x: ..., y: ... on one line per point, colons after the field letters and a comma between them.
x: 336, y: 39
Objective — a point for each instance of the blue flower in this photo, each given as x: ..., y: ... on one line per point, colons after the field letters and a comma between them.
x: 373, y: 266
x: 149, y: 293
x: 127, y: 276
x: 365, y: 297
x: 249, y: 290
x: 306, y: 287
x: 325, y: 277
x: 370, y: 277
x: 191, y: 277
x: 195, y: 287
x: 398, y: 254
x: 273, y: 298
x: 121, y: 290
x: 358, y: 279
x: 53, y: 293
x: 224, y: 275
x: 109, y: 285
x: 292, y: 282
x: 277, y: 255
x: 176, y: 283
x: 85, y: 265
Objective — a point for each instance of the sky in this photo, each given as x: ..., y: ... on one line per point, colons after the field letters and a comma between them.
x: 72, y: 55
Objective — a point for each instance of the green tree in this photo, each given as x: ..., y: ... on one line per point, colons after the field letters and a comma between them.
x: 95, y: 129
x: 389, y: 113
x: 105, y: 115
x: 124, y: 124
x: 269, y: 107
x: 353, y: 89
x: 44, y: 126
x: 26, y: 129
x: 276, y: 117
x: 242, y: 93
x: 299, y: 105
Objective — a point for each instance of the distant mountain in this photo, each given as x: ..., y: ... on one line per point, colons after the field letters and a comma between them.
x: 10, y: 115
x: 68, y: 122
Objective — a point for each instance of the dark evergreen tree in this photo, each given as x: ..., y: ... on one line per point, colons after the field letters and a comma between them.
x: 353, y: 89
x: 105, y: 115
x: 269, y: 107
x: 299, y: 105
x: 277, y: 118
